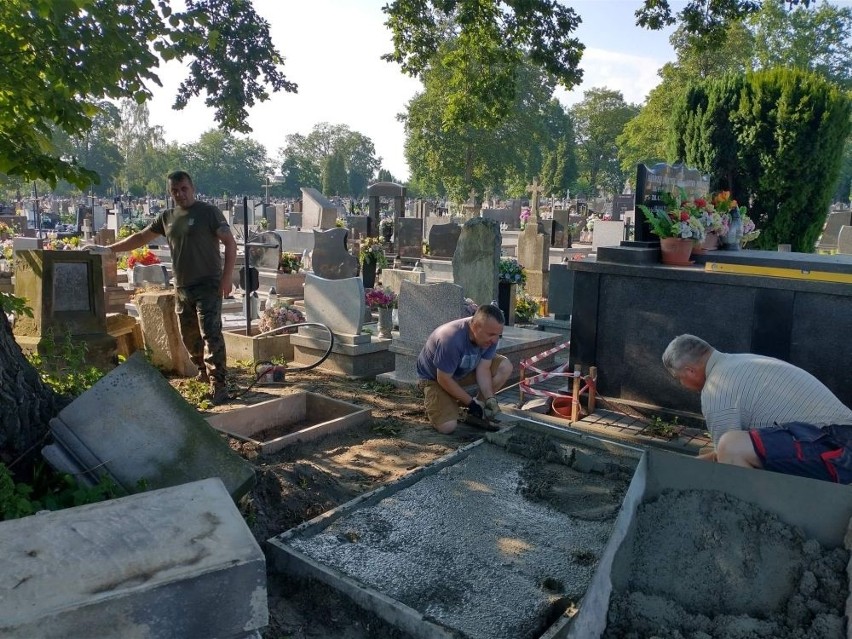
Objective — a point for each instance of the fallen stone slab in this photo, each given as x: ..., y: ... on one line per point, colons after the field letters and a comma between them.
x: 176, y: 562
x: 135, y: 428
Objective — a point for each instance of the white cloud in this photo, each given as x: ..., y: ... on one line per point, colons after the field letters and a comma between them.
x: 633, y: 75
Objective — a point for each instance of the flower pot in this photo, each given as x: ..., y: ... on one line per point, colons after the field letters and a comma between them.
x: 675, y: 251
x: 385, y: 322
x: 711, y: 241
x: 506, y: 298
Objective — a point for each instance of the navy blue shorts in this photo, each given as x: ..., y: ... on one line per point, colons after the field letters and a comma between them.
x: 806, y: 450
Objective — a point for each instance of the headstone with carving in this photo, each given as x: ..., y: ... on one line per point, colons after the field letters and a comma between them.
x: 652, y: 182
x: 65, y: 291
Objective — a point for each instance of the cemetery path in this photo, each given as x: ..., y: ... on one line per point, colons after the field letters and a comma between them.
x: 307, y: 479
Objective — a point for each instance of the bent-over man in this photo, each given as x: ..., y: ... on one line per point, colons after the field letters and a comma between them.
x: 765, y: 413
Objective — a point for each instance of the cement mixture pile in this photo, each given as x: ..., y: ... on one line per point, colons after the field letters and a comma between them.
x: 495, y: 545
x: 705, y: 565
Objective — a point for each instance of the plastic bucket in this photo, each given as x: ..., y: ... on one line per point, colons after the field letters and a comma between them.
x: 562, y: 406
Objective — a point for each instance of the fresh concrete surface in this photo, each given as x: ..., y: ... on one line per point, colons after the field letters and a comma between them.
x: 177, y: 562
x: 493, y: 544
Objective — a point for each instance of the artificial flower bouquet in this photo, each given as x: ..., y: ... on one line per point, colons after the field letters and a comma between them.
x: 279, y: 314
x: 380, y: 298
x: 143, y: 256
x: 289, y: 262
x: 511, y: 271
x: 679, y: 218
x: 372, y: 252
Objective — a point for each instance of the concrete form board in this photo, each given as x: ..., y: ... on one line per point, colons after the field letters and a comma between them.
x: 174, y: 562
x: 821, y: 509
x: 290, y: 560
x: 327, y: 416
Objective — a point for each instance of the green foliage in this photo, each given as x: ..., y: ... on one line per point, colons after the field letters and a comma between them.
x: 598, y: 120
x: 664, y: 429
x: 775, y: 138
x: 62, y: 365
x: 12, y: 304
x: 196, y: 393
x: 60, y: 59
x: 220, y: 160
x: 306, y: 158
x: 526, y: 308
x: 49, y: 491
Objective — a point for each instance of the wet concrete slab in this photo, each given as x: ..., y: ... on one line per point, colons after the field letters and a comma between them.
x: 499, y: 539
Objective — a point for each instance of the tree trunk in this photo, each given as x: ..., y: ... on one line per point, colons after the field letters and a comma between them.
x: 26, y: 403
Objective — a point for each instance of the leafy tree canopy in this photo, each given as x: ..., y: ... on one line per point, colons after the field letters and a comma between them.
x: 59, y: 58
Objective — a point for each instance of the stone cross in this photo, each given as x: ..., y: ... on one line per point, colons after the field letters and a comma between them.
x: 536, y: 189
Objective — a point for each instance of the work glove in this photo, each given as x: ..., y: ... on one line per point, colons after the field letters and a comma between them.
x: 475, y: 409
x: 492, y: 407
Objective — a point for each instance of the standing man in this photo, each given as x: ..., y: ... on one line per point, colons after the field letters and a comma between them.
x: 194, y: 231
x: 765, y: 413
x: 458, y: 354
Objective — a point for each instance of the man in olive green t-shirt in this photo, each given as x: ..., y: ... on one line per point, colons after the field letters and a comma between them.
x: 194, y: 230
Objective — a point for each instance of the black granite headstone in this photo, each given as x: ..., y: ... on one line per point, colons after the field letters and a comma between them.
x: 443, y: 239
x: 330, y: 258
x: 409, y: 234
x: 620, y: 204
x: 652, y: 182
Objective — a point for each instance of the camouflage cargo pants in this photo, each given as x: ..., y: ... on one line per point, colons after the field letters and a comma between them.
x: 199, y: 311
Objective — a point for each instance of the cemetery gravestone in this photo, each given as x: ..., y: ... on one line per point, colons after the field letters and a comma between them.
x: 265, y: 251
x: 621, y: 204
x: 409, y: 234
x: 330, y: 259
x: 560, y: 235
x: 294, y: 219
x: 443, y: 241
x: 359, y: 225
x: 318, y: 212
x: 476, y: 263
x: 337, y: 303
x: 534, y: 256
x: 65, y: 291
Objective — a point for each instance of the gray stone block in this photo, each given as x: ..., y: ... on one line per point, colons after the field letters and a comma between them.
x: 177, y: 562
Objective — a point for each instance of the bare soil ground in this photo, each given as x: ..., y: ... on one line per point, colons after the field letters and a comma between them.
x: 302, y: 481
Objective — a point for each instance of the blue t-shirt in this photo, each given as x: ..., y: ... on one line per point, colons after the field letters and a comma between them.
x: 449, y: 349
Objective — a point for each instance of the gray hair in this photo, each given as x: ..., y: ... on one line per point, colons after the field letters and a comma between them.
x: 684, y: 350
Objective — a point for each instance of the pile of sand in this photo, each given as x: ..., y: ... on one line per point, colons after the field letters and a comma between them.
x: 702, y: 565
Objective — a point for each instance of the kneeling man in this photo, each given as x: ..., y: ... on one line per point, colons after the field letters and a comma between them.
x: 458, y: 354
x: 765, y: 413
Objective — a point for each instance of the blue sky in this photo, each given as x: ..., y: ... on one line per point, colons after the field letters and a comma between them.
x: 332, y: 50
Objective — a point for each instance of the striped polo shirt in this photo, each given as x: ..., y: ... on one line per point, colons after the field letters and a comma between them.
x: 744, y: 391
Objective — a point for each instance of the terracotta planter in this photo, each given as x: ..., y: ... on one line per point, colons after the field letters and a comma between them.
x: 290, y: 284
x: 675, y: 251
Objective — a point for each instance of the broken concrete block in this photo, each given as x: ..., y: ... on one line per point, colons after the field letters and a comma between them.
x: 133, y: 426
x: 177, y: 562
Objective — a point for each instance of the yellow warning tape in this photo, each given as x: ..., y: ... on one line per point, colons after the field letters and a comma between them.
x: 774, y: 271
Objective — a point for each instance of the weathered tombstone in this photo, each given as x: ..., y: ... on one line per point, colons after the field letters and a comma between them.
x: 652, y: 182
x: 317, y: 211
x: 536, y: 190
x: 65, y: 291
x: 330, y: 258
x: 153, y: 274
x: 409, y: 237
x: 265, y: 251
x: 560, y: 232
x: 476, y: 263
x: 392, y: 278
x: 281, y: 221
x: 159, y: 442
x: 443, y: 240
x: 422, y: 309
x: 534, y: 256
x: 294, y: 219
x: 161, y: 332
